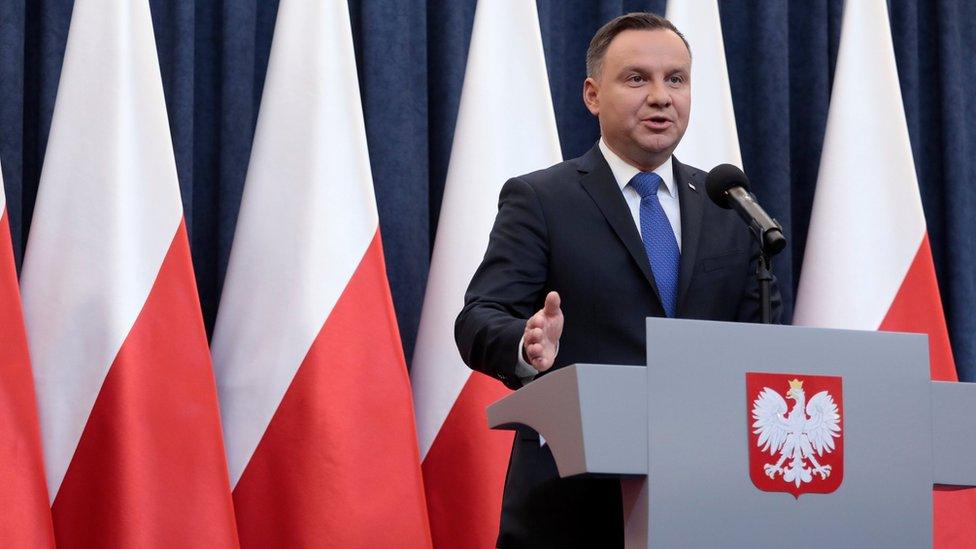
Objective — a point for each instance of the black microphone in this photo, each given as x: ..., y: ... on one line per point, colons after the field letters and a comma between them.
x: 728, y: 187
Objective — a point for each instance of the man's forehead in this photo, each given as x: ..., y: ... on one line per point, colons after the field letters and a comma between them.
x: 643, y: 43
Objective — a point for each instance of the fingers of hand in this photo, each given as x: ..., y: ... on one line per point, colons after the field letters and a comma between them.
x: 535, y: 350
x: 538, y: 357
x: 537, y: 320
x: 534, y: 335
x: 537, y: 354
x: 541, y: 364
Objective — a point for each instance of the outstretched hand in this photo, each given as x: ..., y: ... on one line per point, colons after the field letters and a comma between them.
x: 542, y: 333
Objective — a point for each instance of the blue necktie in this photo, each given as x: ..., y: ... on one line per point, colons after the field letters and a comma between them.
x: 659, y: 241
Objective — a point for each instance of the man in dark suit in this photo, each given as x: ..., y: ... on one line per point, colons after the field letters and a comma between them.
x: 583, y: 251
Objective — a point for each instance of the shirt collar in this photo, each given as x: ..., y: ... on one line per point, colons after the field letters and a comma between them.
x: 624, y: 172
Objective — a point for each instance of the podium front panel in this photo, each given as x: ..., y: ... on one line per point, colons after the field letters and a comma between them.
x: 700, y: 490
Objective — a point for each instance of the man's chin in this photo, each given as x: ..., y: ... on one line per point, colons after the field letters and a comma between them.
x: 658, y: 143
x: 662, y: 146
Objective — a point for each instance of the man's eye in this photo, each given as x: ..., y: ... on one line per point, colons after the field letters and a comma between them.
x: 676, y: 79
x: 635, y: 79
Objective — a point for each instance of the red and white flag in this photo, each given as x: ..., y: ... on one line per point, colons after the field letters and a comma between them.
x: 505, y: 127
x: 313, y: 384
x: 26, y: 517
x: 128, y: 405
x: 868, y: 264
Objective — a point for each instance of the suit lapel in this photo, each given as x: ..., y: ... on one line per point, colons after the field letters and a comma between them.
x: 597, y: 179
x: 690, y: 196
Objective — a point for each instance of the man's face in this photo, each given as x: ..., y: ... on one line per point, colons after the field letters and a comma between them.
x: 642, y: 95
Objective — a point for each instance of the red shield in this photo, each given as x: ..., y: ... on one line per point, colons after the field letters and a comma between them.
x: 796, y: 432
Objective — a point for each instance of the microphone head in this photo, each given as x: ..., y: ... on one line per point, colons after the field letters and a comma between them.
x: 722, y: 178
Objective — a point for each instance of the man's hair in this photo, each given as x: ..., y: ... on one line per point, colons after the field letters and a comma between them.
x: 630, y: 21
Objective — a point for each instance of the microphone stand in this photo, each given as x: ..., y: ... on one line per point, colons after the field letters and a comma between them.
x: 764, y: 273
x: 765, y: 278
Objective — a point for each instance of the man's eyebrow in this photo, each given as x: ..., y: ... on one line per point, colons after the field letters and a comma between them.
x: 667, y: 70
x: 633, y: 68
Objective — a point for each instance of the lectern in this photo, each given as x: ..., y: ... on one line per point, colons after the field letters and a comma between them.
x: 750, y: 435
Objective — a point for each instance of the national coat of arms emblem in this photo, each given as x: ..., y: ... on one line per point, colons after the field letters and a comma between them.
x: 798, y: 446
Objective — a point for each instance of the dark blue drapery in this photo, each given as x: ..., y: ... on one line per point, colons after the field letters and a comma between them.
x: 411, y: 54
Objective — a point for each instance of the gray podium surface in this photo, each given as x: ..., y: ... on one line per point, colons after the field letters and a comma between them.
x: 677, y: 433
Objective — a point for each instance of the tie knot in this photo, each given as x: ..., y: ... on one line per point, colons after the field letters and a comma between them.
x: 646, y: 184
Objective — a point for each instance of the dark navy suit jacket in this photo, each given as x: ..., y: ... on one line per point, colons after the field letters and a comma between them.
x: 568, y: 228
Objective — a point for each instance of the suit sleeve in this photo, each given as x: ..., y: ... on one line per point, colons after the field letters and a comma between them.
x: 507, y: 288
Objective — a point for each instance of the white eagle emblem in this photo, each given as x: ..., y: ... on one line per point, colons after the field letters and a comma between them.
x: 807, y: 432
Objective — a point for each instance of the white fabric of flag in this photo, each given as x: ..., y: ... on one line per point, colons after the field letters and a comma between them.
x: 711, y: 138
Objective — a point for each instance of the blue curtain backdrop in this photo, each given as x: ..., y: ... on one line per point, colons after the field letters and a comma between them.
x: 411, y: 54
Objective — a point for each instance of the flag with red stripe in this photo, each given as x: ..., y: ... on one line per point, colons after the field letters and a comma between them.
x: 505, y: 127
x: 26, y: 518
x: 128, y: 405
x: 868, y: 264
x: 312, y: 379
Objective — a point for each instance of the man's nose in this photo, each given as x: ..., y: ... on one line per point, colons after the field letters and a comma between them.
x: 658, y: 95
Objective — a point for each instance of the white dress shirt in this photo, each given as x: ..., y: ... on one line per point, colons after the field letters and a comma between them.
x: 623, y: 172
x: 667, y: 194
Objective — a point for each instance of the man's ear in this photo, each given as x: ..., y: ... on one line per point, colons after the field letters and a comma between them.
x: 591, y: 96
